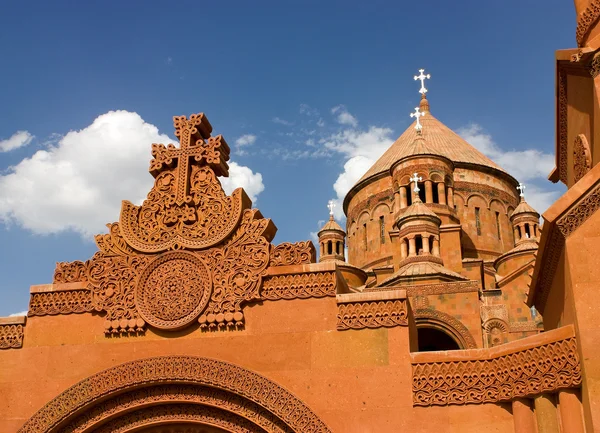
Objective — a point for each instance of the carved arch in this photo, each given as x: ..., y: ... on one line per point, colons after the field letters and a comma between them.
x: 436, y: 177
x: 381, y: 204
x: 362, y: 219
x: 446, y: 323
x: 502, y: 205
x: 193, y: 388
x: 495, y: 331
x: 476, y: 194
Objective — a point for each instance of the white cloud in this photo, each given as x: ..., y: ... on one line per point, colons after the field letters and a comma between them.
x: 282, y: 121
x: 344, y: 117
x: 21, y: 313
x: 320, y: 123
x: 308, y: 110
x: 78, y: 183
x: 18, y: 139
x: 522, y: 164
x: 244, y: 141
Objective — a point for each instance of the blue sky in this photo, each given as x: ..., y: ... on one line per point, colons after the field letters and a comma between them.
x: 306, y: 93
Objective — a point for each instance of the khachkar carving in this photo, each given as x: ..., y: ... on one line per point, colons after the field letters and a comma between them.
x: 11, y: 332
x: 585, y: 20
x: 582, y: 158
x: 372, y: 314
x: 545, y: 368
x: 193, y: 387
x: 188, y: 253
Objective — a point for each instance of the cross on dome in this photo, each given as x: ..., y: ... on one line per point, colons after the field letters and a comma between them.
x: 521, y: 188
x: 416, y: 178
x: 418, y: 114
x: 422, y: 76
x: 330, y: 206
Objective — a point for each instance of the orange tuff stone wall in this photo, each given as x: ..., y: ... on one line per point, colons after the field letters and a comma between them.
x: 355, y: 381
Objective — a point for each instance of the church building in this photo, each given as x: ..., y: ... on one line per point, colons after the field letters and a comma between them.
x: 444, y: 304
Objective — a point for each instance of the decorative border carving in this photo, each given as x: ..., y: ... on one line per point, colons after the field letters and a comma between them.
x: 60, y: 302
x: 288, y: 253
x: 545, y: 368
x: 582, y: 157
x: 184, y: 370
x: 458, y: 329
x: 436, y: 289
x: 554, y: 248
x: 123, y: 404
x: 369, y: 203
x: 299, y: 286
x: 524, y: 326
x: 585, y: 20
x: 562, y: 125
x: 372, y: 314
x: 579, y: 213
x: 11, y: 332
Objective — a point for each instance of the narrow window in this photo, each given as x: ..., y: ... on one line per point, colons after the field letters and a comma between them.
x: 382, y: 229
x: 477, y: 221
x: 422, y: 192
x: 527, y: 233
x: 419, y: 244
x: 409, y: 195
x: 498, y: 224
x: 434, y: 193
x: 365, y: 235
x: 329, y: 249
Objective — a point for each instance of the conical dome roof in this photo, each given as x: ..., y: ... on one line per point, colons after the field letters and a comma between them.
x: 438, y: 139
x: 418, y: 209
x: 331, y: 225
x: 524, y: 207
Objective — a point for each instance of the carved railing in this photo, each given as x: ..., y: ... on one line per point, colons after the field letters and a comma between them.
x: 542, y: 363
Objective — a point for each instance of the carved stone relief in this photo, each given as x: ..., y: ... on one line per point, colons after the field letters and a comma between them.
x: 582, y: 157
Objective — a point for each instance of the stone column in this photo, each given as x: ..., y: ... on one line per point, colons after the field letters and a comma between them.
x: 523, y: 417
x: 428, y: 192
x: 322, y: 249
x: 546, y: 414
x: 425, y: 238
x: 523, y: 232
x: 451, y: 197
x: 412, y: 247
x: 396, y: 201
x: 403, y: 252
x: 441, y: 192
x: 436, y: 246
x: 403, y: 201
x: 571, y: 412
x: 517, y: 239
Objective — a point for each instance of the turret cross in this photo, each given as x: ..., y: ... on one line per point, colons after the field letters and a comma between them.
x: 331, y: 205
x: 416, y: 178
x: 418, y: 114
x: 521, y: 188
x: 422, y: 77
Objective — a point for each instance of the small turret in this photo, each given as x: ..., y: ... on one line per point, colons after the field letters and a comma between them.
x: 525, y: 221
x: 332, y: 240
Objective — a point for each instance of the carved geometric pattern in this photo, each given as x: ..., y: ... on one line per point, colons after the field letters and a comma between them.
x: 297, y: 253
x: 562, y: 126
x: 173, y: 290
x: 545, y: 368
x: 461, y: 331
x: 123, y: 404
x: 60, y: 302
x: 372, y: 314
x: 175, y: 369
x: 11, y: 336
x: 582, y: 158
x: 524, y: 326
x: 594, y: 66
x: 299, y: 286
x: 189, y: 253
x: 579, y: 213
x: 586, y: 19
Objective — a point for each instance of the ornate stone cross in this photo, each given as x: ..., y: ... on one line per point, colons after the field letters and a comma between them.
x: 331, y: 205
x: 416, y: 178
x: 418, y: 114
x: 521, y: 188
x: 422, y: 77
x: 191, y: 134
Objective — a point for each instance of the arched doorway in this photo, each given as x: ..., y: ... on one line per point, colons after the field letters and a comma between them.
x: 432, y: 339
x: 440, y: 331
x: 177, y: 394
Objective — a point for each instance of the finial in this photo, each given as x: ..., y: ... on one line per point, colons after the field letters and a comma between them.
x: 331, y: 205
x: 416, y: 178
x: 422, y: 76
x: 521, y: 188
x: 424, y: 104
x: 417, y: 114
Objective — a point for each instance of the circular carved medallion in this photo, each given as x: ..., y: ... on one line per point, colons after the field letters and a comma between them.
x: 173, y: 290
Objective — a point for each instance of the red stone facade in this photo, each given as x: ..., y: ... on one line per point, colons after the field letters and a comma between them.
x: 188, y: 318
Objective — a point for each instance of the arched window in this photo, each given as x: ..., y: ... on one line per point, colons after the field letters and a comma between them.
x: 329, y: 248
x: 433, y: 339
x: 434, y: 193
x: 419, y: 244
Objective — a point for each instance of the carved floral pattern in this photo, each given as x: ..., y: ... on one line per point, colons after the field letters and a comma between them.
x: 582, y: 158
x: 372, y: 314
x: 585, y: 20
x: 579, y: 213
x: 562, y: 125
x: 60, y: 302
x: 293, y: 254
x: 11, y: 336
x: 299, y: 286
x: 528, y: 372
x: 184, y: 370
